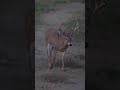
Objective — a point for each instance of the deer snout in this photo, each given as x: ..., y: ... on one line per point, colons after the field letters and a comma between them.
x: 69, y: 44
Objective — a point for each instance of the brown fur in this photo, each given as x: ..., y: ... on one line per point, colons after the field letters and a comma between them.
x: 59, y: 42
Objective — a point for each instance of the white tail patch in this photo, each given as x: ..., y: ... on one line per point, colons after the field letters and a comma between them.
x: 49, y: 47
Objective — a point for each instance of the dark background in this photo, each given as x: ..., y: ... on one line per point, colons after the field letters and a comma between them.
x: 17, y: 36
x: 16, y: 40
x: 103, y: 47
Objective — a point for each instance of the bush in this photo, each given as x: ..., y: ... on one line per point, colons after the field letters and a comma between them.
x: 79, y: 34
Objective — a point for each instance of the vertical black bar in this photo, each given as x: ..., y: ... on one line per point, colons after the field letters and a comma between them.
x: 102, y: 50
x: 17, y: 44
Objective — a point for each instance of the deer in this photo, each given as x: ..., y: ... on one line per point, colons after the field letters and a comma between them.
x: 58, y: 41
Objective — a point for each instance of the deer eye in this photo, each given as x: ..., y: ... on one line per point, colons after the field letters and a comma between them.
x: 66, y: 38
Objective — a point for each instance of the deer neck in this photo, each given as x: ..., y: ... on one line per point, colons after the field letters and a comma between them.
x: 62, y: 46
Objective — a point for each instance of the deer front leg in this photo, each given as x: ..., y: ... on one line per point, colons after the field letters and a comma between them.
x: 53, y: 56
x: 63, y: 54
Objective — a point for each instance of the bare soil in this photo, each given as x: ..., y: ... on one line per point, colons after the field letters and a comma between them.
x: 73, y: 78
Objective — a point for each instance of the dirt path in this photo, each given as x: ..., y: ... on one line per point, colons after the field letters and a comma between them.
x: 74, y: 77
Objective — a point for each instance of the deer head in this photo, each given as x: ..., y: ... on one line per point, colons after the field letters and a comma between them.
x: 68, y: 34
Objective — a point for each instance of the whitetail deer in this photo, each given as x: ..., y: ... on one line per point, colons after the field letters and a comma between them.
x: 57, y: 40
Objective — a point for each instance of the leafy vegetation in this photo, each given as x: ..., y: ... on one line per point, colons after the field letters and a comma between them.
x: 79, y: 34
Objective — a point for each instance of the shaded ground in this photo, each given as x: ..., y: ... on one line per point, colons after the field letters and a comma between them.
x: 74, y: 76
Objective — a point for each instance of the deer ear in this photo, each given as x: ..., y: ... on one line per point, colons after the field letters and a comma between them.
x: 60, y: 30
x: 64, y: 33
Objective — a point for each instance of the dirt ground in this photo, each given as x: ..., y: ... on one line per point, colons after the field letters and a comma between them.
x: 74, y: 76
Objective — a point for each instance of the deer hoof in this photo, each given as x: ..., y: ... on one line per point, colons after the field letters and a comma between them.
x: 62, y: 69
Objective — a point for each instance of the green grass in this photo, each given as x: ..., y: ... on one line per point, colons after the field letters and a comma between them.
x: 49, y: 5
x: 43, y: 7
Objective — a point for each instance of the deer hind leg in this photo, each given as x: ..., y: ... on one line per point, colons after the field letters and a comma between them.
x: 48, y: 54
x: 63, y: 54
x: 52, y: 56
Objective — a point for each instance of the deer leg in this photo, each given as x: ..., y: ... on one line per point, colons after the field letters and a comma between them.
x: 48, y: 53
x: 63, y: 60
x: 53, y: 56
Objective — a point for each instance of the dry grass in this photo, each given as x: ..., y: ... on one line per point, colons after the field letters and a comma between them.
x: 70, y: 63
x: 53, y: 77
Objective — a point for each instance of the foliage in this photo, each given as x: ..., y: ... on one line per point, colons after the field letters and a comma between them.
x: 79, y: 34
